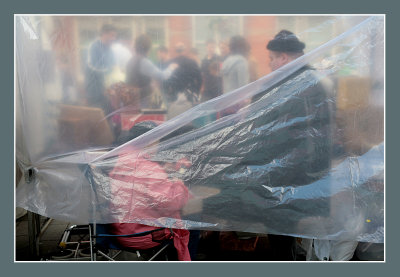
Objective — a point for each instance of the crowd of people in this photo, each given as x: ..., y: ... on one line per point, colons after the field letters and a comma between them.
x: 184, y: 81
x: 179, y: 74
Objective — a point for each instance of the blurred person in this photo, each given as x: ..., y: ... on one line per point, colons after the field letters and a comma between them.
x: 163, y: 62
x: 210, y: 69
x: 114, y: 81
x: 184, y: 86
x: 122, y: 51
x: 283, y: 49
x: 141, y: 71
x: 235, y: 70
x: 116, y: 90
x: 162, y: 57
x: 281, y: 54
x: 274, y: 153
x: 182, y: 166
x: 194, y: 55
x: 100, y: 63
x: 166, y: 200
x: 130, y: 197
x: 253, y: 71
x: 224, y: 50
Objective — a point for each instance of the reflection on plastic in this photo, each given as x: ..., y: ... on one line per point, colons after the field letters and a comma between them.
x: 301, y: 151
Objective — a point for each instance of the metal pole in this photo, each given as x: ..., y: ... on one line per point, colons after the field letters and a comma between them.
x: 32, y: 233
x: 91, y: 244
x: 42, y: 230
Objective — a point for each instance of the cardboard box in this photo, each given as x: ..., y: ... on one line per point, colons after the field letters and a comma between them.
x: 81, y: 126
x: 353, y: 92
x: 361, y: 128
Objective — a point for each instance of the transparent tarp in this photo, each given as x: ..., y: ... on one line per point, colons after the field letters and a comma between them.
x: 110, y: 131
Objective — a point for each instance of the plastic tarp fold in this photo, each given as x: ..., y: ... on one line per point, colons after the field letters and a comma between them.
x: 299, y: 151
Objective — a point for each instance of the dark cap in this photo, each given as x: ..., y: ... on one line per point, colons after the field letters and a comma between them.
x: 141, y: 128
x: 136, y: 131
x: 286, y: 41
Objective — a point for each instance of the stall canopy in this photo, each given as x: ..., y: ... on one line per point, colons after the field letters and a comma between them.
x: 108, y: 131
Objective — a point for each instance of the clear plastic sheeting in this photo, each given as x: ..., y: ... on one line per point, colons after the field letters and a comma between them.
x: 109, y: 131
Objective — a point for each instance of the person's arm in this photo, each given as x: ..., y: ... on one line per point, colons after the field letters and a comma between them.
x: 149, y: 69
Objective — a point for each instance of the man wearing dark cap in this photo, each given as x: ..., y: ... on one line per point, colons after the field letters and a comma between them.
x: 281, y: 145
x: 287, y: 144
x: 284, y: 48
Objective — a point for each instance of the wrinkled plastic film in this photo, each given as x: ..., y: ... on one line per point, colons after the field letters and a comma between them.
x: 300, y: 152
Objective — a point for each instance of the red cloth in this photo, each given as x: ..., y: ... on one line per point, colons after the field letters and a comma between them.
x: 142, y: 192
x: 180, y: 237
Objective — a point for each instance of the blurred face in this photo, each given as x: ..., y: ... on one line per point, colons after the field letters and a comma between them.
x: 224, y: 49
x: 109, y: 37
x: 277, y: 60
x: 162, y: 56
x: 211, y: 48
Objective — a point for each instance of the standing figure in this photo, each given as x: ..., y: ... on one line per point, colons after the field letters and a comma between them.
x: 235, y: 70
x: 141, y: 71
x: 194, y: 55
x: 100, y: 63
x: 184, y: 86
x: 223, y: 50
x: 210, y: 69
x: 282, y: 143
x: 163, y: 57
x: 122, y: 52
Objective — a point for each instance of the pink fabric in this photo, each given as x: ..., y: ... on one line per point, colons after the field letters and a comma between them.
x: 141, y: 191
x: 180, y: 237
x: 181, y: 241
